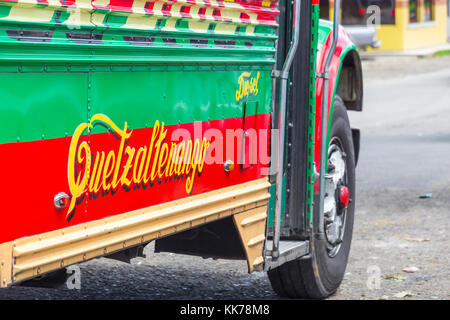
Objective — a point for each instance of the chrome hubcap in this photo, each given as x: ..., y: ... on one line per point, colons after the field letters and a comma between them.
x: 334, y: 209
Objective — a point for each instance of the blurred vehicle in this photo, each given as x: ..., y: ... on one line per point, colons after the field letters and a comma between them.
x: 363, y: 36
x: 360, y: 22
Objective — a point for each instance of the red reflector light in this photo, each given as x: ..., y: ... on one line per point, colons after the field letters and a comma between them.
x: 344, y: 197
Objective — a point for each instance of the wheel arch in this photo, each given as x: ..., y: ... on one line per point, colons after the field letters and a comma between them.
x: 349, y: 87
x: 345, y: 78
x: 350, y: 81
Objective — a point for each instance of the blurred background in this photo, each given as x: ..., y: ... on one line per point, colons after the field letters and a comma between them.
x: 395, y: 25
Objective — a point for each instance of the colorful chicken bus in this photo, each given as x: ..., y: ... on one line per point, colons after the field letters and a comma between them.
x: 215, y: 128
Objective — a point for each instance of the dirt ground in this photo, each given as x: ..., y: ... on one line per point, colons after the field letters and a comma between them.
x: 395, y: 231
x: 399, y: 67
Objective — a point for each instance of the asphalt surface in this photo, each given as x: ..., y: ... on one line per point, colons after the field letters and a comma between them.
x: 405, y: 153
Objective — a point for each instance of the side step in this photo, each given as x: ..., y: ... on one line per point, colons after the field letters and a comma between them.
x: 289, y: 250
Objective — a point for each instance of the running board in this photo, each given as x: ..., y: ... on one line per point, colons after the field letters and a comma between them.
x: 289, y: 250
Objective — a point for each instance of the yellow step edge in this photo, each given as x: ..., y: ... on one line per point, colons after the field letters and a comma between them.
x: 252, y: 230
x: 110, y: 239
x: 256, y: 240
x: 254, y: 219
x: 138, y: 217
x: 49, y: 251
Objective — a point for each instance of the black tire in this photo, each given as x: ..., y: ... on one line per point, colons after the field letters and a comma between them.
x: 318, y: 275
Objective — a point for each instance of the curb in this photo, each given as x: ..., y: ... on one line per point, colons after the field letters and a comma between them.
x: 425, y: 52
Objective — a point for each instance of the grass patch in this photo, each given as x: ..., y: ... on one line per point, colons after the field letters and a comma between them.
x: 442, y: 53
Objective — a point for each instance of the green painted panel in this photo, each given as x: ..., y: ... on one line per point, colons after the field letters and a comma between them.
x: 45, y: 105
x: 29, y: 42
x: 51, y: 105
x: 53, y: 34
x: 141, y: 98
x: 122, y: 52
x: 315, y: 25
x: 272, y: 200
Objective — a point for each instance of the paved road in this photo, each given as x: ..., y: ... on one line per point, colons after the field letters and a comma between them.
x: 405, y: 127
x: 405, y: 153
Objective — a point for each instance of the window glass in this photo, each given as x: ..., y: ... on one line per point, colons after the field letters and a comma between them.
x: 413, y: 16
x: 358, y: 12
x: 428, y: 10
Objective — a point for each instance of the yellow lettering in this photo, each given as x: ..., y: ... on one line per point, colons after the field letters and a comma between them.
x: 163, y: 156
x: 162, y: 136
x: 96, y: 173
x: 247, y: 86
x: 184, y: 159
x: 107, y: 170
x: 180, y: 157
x: 123, y: 179
x: 140, y: 157
x: 150, y: 151
x: 123, y: 137
x: 77, y: 188
x: 170, y: 167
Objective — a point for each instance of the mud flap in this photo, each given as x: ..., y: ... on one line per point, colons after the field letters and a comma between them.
x: 356, y: 134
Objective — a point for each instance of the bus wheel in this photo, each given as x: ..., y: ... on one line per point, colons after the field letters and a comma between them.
x: 319, y: 274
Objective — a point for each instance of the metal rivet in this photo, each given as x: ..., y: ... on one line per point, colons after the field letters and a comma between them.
x: 228, y: 166
x: 61, y: 200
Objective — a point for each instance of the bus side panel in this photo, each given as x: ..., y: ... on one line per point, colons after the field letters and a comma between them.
x: 121, y: 111
x: 170, y: 116
x: 129, y: 154
x: 39, y: 112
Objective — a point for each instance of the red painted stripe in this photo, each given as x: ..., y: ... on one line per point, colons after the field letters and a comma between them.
x: 343, y: 41
x: 121, y: 5
x: 32, y: 173
x: 265, y: 15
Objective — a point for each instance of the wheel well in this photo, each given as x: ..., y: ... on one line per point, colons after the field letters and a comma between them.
x: 350, y: 84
